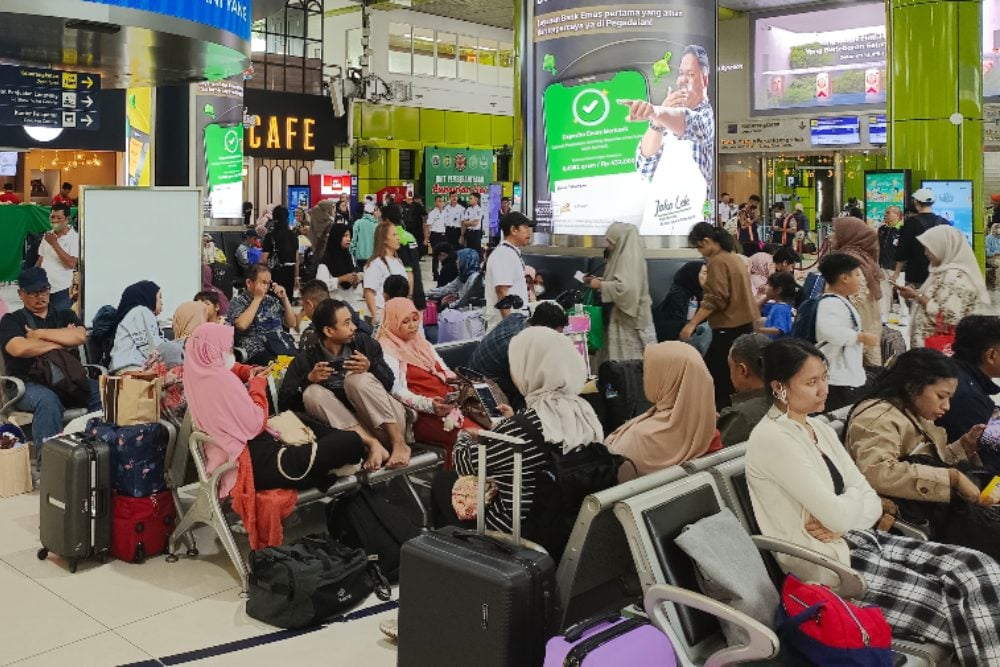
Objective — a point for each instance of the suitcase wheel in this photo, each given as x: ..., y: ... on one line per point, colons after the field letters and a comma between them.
x: 73, y: 565
x: 104, y: 557
x: 140, y: 553
x: 43, y: 553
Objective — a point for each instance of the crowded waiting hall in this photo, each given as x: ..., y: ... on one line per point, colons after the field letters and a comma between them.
x: 500, y: 333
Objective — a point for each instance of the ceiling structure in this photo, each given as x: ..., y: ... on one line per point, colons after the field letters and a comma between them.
x: 500, y: 13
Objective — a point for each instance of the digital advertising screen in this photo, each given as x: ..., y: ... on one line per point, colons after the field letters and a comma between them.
x: 991, y: 48
x: 953, y: 202
x: 822, y: 58
x: 620, y: 115
x: 299, y: 196
x: 885, y: 188
x: 840, y: 131
x: 877, y: 130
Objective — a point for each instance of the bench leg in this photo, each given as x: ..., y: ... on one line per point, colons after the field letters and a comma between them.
x: 424, y: 512
x: 208, y: 510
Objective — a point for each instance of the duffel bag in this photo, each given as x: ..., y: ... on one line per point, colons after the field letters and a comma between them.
x: 454, y: 325
x: 141, y: 527
x: 138, y: 455
x: 310, y: 581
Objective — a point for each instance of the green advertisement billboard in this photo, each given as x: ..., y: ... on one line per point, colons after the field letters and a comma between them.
x: 224, y: 169
x: 459, y: 170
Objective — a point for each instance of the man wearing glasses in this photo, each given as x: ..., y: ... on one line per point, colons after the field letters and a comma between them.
x: 31, y: 332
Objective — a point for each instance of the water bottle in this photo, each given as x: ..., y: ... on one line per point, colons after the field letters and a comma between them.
x: 578, y: 309
x: 692, y: 307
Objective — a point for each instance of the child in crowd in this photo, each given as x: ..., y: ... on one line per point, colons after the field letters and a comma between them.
x: 838, y: 330
x: 777, y: 311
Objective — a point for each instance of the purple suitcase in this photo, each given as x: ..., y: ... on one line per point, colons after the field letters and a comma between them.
x: 611, y: 642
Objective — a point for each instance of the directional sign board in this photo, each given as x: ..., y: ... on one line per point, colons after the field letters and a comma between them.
x: 49, y: 98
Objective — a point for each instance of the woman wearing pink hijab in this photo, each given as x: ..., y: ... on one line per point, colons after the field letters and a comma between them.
x: 759, y: 265
x: 228, y: 401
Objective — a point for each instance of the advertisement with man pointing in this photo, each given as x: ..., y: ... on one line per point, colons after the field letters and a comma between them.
x: 623, y: 124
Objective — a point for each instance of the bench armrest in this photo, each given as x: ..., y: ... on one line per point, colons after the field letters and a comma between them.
x: 762, y: 644
x: 851, y: 586
x: 18, y: 385
x: 95, y: 371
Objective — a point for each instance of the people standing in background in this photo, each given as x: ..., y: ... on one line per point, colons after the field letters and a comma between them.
x: 726, y: 208
x: 472, y: 223
x: 681, y: 302
x: 409, y: 254
x: 363, y: 234
x: 384, y: 262
x: 414, y: 215
x: 888, y: 241
x: 280, y: 250
x: 342, y: 213
x: 746, y: 233
x: 993, y: 255
x: 728, y: 306
x: 321, y: 217
x: 782, y: 226
x: 453, y: 222
x: 250, y: 241
x: 247, y: 213
x: 58, y: 255
x: 625, y: 286
x: 505, y: 266
x: 437, y: 222
x: 63, y: 196
x: 504, y: 210
x: 910, y: 257
x: 856, y: 238
x: 8, y: 196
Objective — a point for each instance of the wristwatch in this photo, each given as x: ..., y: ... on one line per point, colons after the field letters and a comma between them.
x: 658, y: 128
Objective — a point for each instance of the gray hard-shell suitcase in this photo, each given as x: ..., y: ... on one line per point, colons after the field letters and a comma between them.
x: 469, y: 598
x: 75, y: 498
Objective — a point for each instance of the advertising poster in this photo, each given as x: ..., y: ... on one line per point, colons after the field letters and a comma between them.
x: 299, y: 196
x: 138, y: 130
x: 884, y: 189
x: 823, y: 58
x: 621, y: 115
x: 459, y: 170
x: 953, y: 202
x: 219, y: 124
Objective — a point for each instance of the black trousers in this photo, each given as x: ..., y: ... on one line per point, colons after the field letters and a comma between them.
x: 333, y: 450
x: 474, y: 239
x: 453, y: 235
x: 436, y: 237
x: 717, y: 360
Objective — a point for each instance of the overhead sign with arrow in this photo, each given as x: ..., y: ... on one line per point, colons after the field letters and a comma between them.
x: 49, y: 98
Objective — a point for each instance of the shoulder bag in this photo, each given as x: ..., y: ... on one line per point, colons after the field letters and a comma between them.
x: 469, y: 401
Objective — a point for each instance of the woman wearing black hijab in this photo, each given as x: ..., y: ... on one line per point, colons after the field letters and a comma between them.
x: 672, y: 313
x: 338, y: 269
x: 137, y: 332
x: 280, y: 251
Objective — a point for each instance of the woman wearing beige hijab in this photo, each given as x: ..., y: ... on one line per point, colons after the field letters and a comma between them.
x: 187, y: 317
x: 955, y: 287
x: 681, y: 424
x: 320, y: 221
x: 625, y: 285
x: 855, y: 237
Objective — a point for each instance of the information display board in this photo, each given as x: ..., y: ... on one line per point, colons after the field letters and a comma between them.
x: 840, y: 131
x: 953, y: 202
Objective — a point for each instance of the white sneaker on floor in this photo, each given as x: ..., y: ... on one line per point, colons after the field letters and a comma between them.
x: 390, y: 628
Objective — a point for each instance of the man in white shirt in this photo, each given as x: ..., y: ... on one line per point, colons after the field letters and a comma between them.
x: 838, y: 330
x: 437, y: 223
x: 453, y: 222
x: 727, y: 209
x: 472, y: 224
x: 58, y: 256
x: 505, y: 267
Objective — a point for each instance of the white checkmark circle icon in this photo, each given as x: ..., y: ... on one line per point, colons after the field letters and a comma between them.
x: 587, y: 101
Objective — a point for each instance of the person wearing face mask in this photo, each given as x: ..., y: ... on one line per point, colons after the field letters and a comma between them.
x: 805, y: 489
x: 420, y: 376
x: 58, y: 255
x: 137, y: 334
x: 899, y: 449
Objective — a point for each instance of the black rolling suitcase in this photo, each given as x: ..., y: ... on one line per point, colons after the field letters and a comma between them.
x: 620, y: 385
x: 468, y: 598
x: 75, y: 495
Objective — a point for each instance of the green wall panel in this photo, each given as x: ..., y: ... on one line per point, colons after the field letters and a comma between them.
x: 502, y: 130
x: 456, y: 128
x: 480, y: 130
x: 376, y: 121
x: 432, y: 126
x: 406, y: 123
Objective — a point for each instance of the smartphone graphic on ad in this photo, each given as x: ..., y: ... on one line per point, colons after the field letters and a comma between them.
x: 590, y: 148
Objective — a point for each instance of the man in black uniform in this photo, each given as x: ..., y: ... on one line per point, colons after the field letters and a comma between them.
x: 910, y: 257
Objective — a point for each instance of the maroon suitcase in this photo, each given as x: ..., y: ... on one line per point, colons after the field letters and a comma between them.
x: 140, y: 527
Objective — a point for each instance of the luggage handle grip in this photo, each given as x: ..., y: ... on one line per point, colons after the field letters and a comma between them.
x: 517, y: 444
x: 577, y: 630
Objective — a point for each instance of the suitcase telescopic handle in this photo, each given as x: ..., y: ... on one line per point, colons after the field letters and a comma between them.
x: 517, y: 445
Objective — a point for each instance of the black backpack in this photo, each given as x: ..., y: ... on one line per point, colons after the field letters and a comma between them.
x: 805, y: 319
x: 622, y: 392
x: 368, y: 521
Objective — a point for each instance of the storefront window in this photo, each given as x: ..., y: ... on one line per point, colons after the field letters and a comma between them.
x: 423, y: 51
x: 447, y: 55
x: 488, y: 56
x: 468, y: 57
x: 400, y: 48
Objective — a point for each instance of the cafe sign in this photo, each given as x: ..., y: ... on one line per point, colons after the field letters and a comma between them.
x: 292, y: 126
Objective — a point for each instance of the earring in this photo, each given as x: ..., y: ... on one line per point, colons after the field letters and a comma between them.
x: 782, y: 395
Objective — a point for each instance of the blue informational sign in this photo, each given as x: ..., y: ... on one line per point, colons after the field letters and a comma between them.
x: 298, y: 197
x: 839, y: 131
x: 877, y: 132
x: 953, y: 202
x: 229, y: 15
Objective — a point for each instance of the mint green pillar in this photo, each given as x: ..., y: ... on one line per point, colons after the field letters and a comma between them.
x: 934, y: 100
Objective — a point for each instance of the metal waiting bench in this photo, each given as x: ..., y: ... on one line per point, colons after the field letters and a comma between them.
x: 208, y: 508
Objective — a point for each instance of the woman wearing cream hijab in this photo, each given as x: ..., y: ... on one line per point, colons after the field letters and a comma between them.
x: 625, y: 285
x: 681, y: 424
x: 955, y: 287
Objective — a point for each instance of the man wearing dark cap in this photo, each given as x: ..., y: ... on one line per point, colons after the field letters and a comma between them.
x: 505, y: 266
x: 910, y: 257
x: 31, y: 332
x: 243, y: 251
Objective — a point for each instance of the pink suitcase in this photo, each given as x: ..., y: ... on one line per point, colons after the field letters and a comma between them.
x: 611, y: 642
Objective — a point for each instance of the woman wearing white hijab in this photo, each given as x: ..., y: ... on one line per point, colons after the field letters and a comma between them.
x: 955, y: 287
x: 550, y: 373
x: 625, y: 285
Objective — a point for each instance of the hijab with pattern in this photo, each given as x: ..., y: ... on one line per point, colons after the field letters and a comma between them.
x: 953, y: 251
x: 681, y: 424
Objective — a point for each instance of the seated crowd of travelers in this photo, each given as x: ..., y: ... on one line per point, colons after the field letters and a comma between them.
x: 363, y: 375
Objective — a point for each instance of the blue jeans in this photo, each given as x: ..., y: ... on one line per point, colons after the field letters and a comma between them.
x: 60, y: 300
x: 47, y: 411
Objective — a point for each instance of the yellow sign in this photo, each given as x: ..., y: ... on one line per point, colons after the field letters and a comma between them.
x: 289, y: 133
x: 69, y: 80
x: 138, y: 133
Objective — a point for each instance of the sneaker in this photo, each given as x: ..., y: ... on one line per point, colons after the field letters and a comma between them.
x: 390, y: 628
